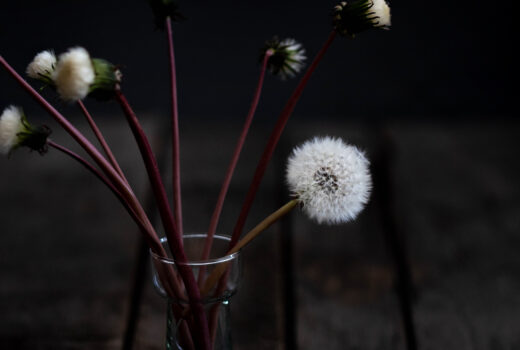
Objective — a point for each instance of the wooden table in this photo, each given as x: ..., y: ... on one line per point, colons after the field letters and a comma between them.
x: 432, y: 263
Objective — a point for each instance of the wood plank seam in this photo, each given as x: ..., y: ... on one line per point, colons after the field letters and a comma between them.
x: 285, y: 241
x: 396, y: 240
x: 142, y: 266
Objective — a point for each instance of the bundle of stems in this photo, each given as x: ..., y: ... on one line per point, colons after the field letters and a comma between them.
x: 196, y: 328
x: 198, y: 331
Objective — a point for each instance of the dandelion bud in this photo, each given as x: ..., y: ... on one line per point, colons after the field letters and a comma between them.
x: 78, y: 75
x: 163, y: 9
x: 15, y: 131
x: 287, y: 57
x: 350, y: 18
x: 42, y: 67
x: 330, y: 178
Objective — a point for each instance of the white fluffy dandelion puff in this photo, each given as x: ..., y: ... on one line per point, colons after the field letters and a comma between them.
x: 288, y: 57
x: 15, y: 131
x: 42, y: 66
x: 10, y: 125
x: 352, y: 17
x: 330, y: 178
x: 74, y: 74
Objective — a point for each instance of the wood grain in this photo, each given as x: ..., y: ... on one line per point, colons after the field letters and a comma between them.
x: 458, y: 203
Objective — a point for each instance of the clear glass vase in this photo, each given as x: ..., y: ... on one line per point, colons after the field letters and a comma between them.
x: 180, y: 330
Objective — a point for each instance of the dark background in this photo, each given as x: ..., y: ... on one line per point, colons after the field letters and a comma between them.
x: 440, y: 60
x: 432, y: 263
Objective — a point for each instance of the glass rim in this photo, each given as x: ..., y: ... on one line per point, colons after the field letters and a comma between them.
x: 212, y: 261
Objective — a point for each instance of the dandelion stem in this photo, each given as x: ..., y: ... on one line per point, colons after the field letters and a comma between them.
x: 112, y: 176
x: 174, y: 239
x: 219, y: 273
x: 176, y: 173
x: 152, y: 169
x: 101, y: 139
x: 112, y: 188
x: 151, y: 237
x: 169, y: 281
x: 232, y: 165
x: 273, y: 141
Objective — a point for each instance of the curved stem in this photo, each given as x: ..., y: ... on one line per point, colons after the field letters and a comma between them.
x: 152, y: 169
x: 273, y: 141
x: 146, y: 230
x: 168, y: 279
x: 174, y: 238
x: 101, y: 139
x: 104, y: 165
x: 122, y: 187
x: 176, y: 168
x: 232, y: 165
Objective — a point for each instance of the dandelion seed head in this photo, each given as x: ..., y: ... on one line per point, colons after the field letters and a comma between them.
x: 330, y: 178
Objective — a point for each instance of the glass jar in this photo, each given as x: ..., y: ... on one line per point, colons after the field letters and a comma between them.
x: 216, y: 301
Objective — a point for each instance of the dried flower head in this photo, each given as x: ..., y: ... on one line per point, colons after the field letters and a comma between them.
x: 78, y: 75
x: 74, y: 74
x: 287, y: 57
x: 15, y: 131
x: 350, y: 18
x: 10, y: 126
x: 163, y: 9
x: 330, y: 178
x: 42, y: 67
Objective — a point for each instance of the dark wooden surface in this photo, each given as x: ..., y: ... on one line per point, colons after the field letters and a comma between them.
x: 432, y: 263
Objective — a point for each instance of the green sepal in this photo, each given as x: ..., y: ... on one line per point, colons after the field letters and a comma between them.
x: 106, y: 81
x: 33, y: 137
x: 279, y: 64
x: 46, y: 79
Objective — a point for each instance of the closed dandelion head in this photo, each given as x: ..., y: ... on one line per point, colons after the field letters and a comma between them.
x: 352, y: 17
x: 15, y: 132
x: 42, y: 67
x: 163, y: 9
x: 78, y: 75
x: 287, y: 57
x: 330, y: 178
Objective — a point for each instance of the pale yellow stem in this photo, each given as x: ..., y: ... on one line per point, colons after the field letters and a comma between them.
x: 262, y: 226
